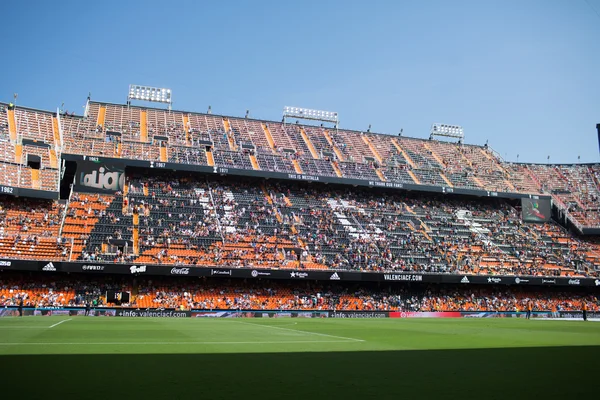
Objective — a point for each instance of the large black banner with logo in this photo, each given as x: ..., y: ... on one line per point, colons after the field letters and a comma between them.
x: 97, y: 175
x: 297, y: 275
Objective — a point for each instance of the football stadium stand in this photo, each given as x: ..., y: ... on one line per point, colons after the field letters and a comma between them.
x: 203, y: 219
x: 215, y: 294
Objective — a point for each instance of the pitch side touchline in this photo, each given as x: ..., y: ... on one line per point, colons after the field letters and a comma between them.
x: 162, y: 343
x: 60, y: 322
x: 298, y: 331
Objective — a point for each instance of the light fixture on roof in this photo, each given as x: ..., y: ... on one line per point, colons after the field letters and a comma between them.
x: 307, y: 113
x: 453, y: 131
x: 247, y: 113
x: 151, y: 94
x: 369, y: 130
x: 209, y: 111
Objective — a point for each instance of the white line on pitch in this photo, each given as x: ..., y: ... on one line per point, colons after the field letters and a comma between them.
x: 60, y: 322
x: 299, y: 331
x: 163, y: 343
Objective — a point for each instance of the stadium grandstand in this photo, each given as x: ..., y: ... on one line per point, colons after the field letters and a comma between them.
x: 155, y: 186
x: 130, y: 211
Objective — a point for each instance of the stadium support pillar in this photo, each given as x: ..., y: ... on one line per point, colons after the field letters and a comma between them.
x: 143, y: 126
x: 209, y: 158
x: 101, y: 116
x: 12, y: 125
x: 373, y: 149
x: 269, y: 136
x: 297, y: 167
x: 254, y: 162
x: 311, y: 148
x: 337, y: 151
x: 403, y: 153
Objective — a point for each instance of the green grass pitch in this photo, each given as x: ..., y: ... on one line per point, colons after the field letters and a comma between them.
x: 131, y: 358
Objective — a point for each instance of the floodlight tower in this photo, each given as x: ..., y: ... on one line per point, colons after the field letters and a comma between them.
x: 151, y: 94
x: 452, y: 131
x: 309, y: 114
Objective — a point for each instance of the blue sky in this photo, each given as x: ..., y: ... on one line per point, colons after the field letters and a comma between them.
x: 522, y: 74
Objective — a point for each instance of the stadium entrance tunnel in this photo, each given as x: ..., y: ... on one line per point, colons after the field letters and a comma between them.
x: 540, y: 372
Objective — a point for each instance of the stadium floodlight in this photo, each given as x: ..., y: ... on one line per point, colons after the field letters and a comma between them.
x: 307, y: 113
x: 453, y: 131
x: 148, y: 93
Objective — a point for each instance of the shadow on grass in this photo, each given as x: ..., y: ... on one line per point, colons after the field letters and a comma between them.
x: 541, y: 372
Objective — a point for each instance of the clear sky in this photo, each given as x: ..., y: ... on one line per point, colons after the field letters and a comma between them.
x: 523, y: 74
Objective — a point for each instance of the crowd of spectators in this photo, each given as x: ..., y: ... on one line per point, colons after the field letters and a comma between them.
x: 211, y: 294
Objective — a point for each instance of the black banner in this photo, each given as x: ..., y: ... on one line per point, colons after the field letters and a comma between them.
x: 97, y: 175
x: 220, y: 170
x: 297, y: 275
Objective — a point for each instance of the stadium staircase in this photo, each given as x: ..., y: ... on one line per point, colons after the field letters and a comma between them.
x: 311, y: 147
x: 101, y: 116
x: 53, y: 158
x: 186, y: 127
x: 209, y: 158
x: 337, y: 151
x: 403, y: 153
x: 297, y: 167
x: 12, y: 125
x: 373, y: 149
x: 268, y: 136
x: 143, y: 126
x: 18, y: 153
x: 254, y: 162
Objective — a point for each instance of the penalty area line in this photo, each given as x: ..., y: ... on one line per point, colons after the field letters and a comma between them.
x: 60, y: 322
x: 299, y: 331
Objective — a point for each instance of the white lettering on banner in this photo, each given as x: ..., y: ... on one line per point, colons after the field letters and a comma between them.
x: 180, y: 271
x: 5, y: 263
x: 597, y: 282
x: 93, y: 268
x: 465, y: 280
x: 136, y: 270
x: 6, y: 189
x: 49, y: 267
x: 220, y: 272
x: 103, y: 180
x: 334, y: 277
x: 549, y: 281
x: 299, y: 274
x: 574, y: 282
x: 521, y: 280
x: 494, y: 280
x: 399, y: 277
